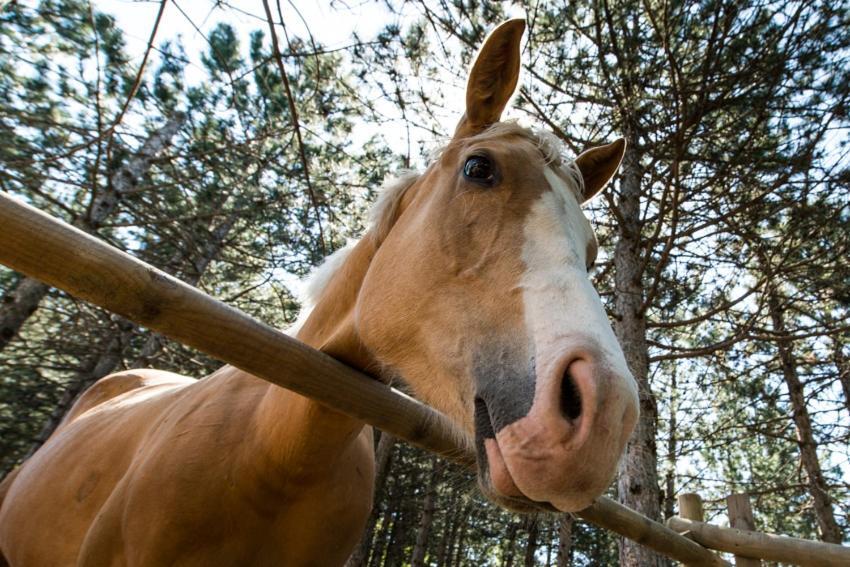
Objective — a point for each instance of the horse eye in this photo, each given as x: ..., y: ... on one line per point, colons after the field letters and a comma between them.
x: 480, y: 169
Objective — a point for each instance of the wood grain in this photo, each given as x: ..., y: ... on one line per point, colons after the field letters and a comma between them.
x: 741, y: 516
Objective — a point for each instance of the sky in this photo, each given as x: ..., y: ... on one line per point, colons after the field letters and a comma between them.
x: 332, y: 24
x: 179, y: 18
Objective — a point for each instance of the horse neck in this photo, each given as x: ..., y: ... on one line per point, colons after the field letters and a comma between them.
x: 297, y: 432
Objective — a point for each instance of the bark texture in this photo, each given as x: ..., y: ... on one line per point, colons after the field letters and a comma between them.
x: 565, y: 540
x: 638, y: 477
x: 533, y: 527
x: 427, y: 518
x: 842, y: 366
x: 18, y: 305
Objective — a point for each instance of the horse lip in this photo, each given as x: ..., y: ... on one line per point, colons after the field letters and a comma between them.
x: 521, y: 504
x: 518, y: 503
x: 484, y: 430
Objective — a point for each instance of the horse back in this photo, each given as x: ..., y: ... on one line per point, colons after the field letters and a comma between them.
x: 121, y: 383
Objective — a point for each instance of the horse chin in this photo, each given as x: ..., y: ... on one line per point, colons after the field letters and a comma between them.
x: 498, y: 485
x: 519, y: 504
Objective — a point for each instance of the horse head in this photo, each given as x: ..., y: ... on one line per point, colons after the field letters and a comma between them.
x: 477, y: 294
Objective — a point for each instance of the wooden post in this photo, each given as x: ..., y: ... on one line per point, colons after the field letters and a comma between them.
x: 741, y: 517
x: 690, y: 507
x: 613, y: 516
x: 60, y: 255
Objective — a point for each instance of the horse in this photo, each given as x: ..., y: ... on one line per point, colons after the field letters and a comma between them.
x: 471, y: 284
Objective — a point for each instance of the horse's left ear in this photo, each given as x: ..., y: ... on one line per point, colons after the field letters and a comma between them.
x: 598, y: 166
x: 493, y: 78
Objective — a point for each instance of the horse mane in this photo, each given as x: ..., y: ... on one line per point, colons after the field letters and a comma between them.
x: 384, y: 211
x: 381, y: 218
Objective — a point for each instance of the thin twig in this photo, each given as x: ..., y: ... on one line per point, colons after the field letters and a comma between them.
x: 295, y: 125
x: 115, y: 123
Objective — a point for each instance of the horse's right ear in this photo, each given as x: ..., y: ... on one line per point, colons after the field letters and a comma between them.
x: 598, y: 166
x: 493, y: 78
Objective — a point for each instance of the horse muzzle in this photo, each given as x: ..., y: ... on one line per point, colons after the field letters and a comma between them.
x: 555, y: 435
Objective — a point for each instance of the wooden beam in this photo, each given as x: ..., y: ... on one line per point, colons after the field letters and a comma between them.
x: 741, y: 516
x: 637, y: 527
x: 62, y: 256
x: 766, y: 546
x: 58, y: 254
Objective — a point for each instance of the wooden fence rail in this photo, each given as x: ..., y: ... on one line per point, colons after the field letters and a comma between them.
x: 750, y: 546
x: 60, y: 255
x: 765, y: 546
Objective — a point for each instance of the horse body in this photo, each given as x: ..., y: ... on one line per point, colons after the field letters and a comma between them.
x: 471, y: 285
x: 132, y: 479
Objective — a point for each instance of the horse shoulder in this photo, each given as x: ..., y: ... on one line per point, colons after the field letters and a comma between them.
x: 67, y: 481
x: 143, y: 466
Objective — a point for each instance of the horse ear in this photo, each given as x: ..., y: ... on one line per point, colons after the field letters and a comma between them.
x: 493, y: 78
x: 598, y: 166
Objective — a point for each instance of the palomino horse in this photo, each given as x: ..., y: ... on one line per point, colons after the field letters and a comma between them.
x: 471, y: 284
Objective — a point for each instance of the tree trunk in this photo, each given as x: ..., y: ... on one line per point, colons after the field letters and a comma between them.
x: 383, y: 463
x: 449, y: 528
x: 396, y: 540
x: 830, y: 531
x: 638, y: 476
x: 670, y: 478
x: 427, y: 518
x: 18, y: 304
x: 510, y: 545
x: 533, y: 526
x: 376, y: 555
x: 457, y: 546
x: 128, y: 177
x: 565, y: 540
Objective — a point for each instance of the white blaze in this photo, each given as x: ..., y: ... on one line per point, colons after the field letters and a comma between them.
x: 562, y: 309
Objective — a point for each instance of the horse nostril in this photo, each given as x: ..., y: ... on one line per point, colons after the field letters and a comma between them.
x: 570, y: 397
x: 483, y: 422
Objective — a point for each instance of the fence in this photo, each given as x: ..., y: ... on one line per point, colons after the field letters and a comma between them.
x: 39, y: 246
x: 747, y: 545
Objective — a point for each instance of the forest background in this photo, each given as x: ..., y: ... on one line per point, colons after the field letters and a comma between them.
x: 168, y: 130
